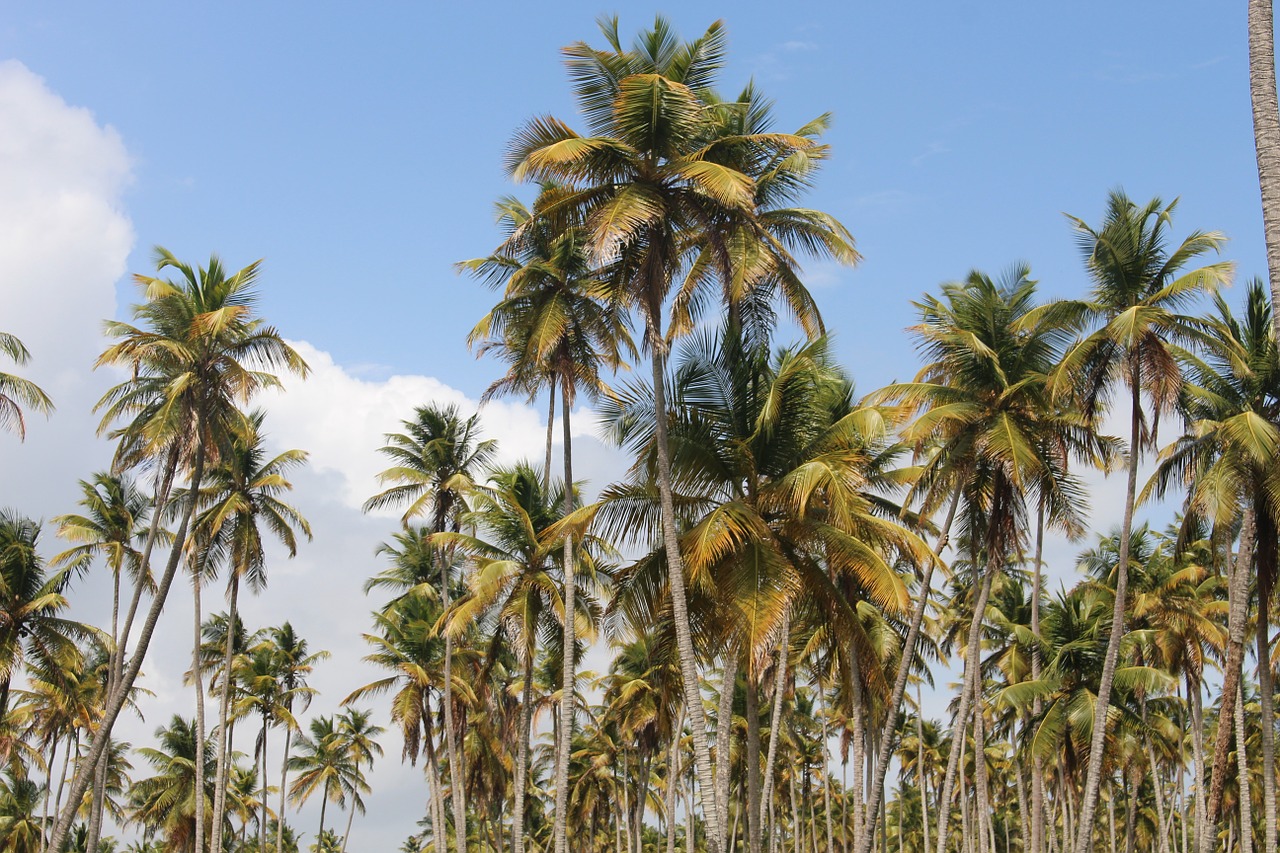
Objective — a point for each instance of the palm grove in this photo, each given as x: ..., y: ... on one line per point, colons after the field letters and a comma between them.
x: 785, y: 566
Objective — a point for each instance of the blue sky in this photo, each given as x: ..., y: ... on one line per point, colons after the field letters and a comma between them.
x: 359, y: 153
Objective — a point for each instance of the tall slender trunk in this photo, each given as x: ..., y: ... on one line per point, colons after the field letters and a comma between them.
x: 1197, y: 750
x: 439, y: 821
x: 73, y: 746
x: 971, y: 667
x: 1097, y: 743
x: 197, y: 677
x: 224, y: 711
x: 724, y: 725
x: 690, y: 828
x: 1037, y: 704
x: 1266, y: 134
x: 894, y: 708
x: 1266, y: 698
x: 324, y: 801
x: 673, y: 782
x: 1238, y: 596
x: 457, y: 776
x: 712, y: 810
x: 862, y: 762
x: 567, y: 669
x: 924, y: 781
x: 262, y: 824
x: 48, y: 792
x: 826, y: 763
x: 980, y: 775
x: 1024, y: 807
x: 100, y: 777
x: 522, y: 753
x: 775, y: 719
x: 116, y: 701
x: 755, y: 814
x: 551, y: 423
x: 1131, y: 806
x: 1242, y: 777
x: 284, y: 785
x: 351, y: 816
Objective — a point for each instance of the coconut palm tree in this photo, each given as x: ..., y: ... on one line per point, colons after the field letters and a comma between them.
x: 434, y: 466
x: 554, y: 320
x: 165, y: 802
x: 990, y: 436
x: 1140, y: 282
x: 21, y: 830
x: 652, y: 191
x: 357, y: 732
x: 16, y: 392
x: 198, y: 352
x: 326, y: 765
x: 294, y: 662
x: 240, y: 497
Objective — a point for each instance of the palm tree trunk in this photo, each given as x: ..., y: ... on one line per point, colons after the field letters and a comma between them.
x: 887, y: 733
x: 1097, y: 743
x: 551, y: 423
x: 1242, y: 777
x: 724, y: 725
x: 262, y: 824
x: 826, y: 763
x: 284, y: 780
x: 73, y: 746
x: 690, y: 828
x: 197, y: 581
x: 224, y: 734
x: 775, y: 720
x: 457, y: 778
x: 981, y: 780
x: 568, y: 664
x: 1238, y: 596
x: 1037, y: 705
x: 522, y: 753
x: 755, y: 814
x: 924, y: 782
x: 439, y: 822
x: 48, y: 791
x: 117, y: 699
x: 324, y: 801
x: 861, y: 758
x: 1024, y: 811
x: 711, y: 809
x: 673, y: 782
x: 1266, y: 135
x: 966, y: 692
x: 1197, y: 749
x: 347, y: 835
x: 1267, y: 699
x: 100, y: 777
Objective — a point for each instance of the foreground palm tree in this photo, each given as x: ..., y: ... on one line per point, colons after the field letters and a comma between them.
x: 199, y: 352
x: 16, y: 392
x: 653, y: 191
x: 1139, y: 284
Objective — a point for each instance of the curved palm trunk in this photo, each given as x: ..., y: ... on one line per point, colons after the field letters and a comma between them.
x: 224, y: 735
x: 1266, y: 134
x: 962, y: 713
x: 116, y: 701
x: 1089, y: 803
x: 894, y: 709
x: 522, y: 754
x: 567, y: 671
x: 712, y: 810
x: 1238, y: 595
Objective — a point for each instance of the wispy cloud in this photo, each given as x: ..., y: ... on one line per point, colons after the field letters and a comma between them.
x: 933, y: 150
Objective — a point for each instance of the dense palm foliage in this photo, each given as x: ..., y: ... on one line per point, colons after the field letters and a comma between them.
x: 824, y: 620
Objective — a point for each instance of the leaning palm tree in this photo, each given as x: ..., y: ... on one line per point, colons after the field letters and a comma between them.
x: 1139, y: 286
x: 434, y: 466
x: 653, y: 190
x: 16, y: 392
x: 242, y: 496
x: 198, y: 352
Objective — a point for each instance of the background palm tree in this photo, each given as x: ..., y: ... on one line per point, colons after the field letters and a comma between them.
x: 357, y: 731
x: 16, y: 392
x: 326, y: 765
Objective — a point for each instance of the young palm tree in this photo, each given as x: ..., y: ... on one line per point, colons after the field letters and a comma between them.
x: 193, y: 359
x: 435, y: 463
x: 1139, y: 285
x: 652, y: 190
x: 16, y: 392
